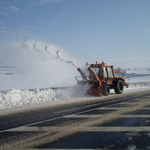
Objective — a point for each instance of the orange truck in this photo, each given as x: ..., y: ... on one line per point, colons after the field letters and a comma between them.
x: 101, y: 78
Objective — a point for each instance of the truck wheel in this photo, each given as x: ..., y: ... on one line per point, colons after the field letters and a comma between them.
x: 106, y: 90
x: 119, y: 87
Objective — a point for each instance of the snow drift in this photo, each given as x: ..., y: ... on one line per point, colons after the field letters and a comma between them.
x: 16, y: 97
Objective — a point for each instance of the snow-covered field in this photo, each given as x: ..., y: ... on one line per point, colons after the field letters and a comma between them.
x: 38, y: 65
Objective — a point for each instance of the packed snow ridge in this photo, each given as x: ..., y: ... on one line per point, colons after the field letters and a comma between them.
x: 17, y: 97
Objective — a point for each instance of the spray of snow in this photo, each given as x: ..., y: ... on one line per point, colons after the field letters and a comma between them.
x: 34, y: 64
x: 59, y: 57
x: 66, y: 61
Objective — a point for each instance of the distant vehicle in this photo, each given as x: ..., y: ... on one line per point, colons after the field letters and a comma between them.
x: 102, y: 78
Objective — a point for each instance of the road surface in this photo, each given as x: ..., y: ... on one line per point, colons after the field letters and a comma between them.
x: 113, y: 122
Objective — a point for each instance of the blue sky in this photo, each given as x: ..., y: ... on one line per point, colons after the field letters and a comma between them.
x: 114, y: 31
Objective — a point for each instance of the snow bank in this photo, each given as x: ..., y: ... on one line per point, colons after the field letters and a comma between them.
x: 137, y: 71
x: 140, y: 85
x: 138, y: 79
x: 16, y: 97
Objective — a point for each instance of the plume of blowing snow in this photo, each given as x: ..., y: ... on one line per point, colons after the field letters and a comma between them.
x: 34, y: 64
x: 66, y: 61
x: 59, y: 57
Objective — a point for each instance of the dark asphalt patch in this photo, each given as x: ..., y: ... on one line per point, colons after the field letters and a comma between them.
x: 122, y: 105
x: 147, y: 106
x: 98, y: 112
x: 10, y: 136
x: 139, y: 112
x: 111, y: 140
x: 127, y: 122
x: 59, y: 122
x: 135, y: 101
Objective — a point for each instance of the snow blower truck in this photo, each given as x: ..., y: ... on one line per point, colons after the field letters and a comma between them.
x: 101, y: 78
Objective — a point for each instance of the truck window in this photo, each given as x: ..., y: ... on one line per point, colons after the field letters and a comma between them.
x: 105, y: 72
x: 110, y: 73
x: 119, y: 75
x: 98, y: 71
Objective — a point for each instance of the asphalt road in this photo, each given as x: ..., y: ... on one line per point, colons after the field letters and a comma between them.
x: 114, y: 122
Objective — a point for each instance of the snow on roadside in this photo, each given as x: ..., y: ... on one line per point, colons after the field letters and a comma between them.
x: 137, y: 71
x: 17, y: 97
x: 140, y: 85
x: 138, y: 79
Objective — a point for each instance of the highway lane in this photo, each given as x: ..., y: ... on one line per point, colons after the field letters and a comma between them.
x: 95, y: 123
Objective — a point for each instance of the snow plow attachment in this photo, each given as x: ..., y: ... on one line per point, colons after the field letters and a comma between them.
x: 93, y: 82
